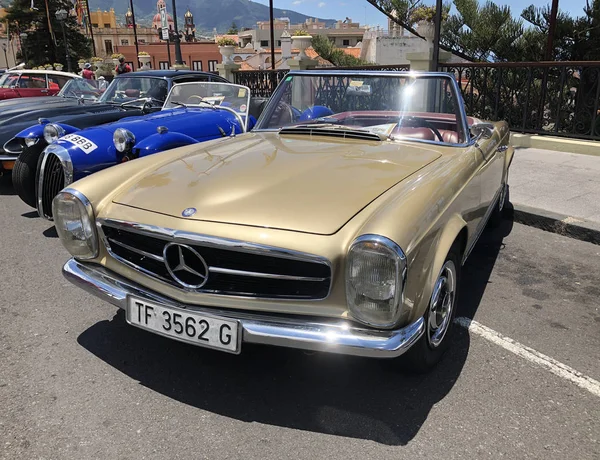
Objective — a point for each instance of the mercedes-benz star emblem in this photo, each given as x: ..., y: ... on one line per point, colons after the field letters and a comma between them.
x: 185, y: 265
x: 187, y: 212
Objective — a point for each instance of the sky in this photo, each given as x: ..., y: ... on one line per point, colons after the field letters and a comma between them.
x: 363, y: 12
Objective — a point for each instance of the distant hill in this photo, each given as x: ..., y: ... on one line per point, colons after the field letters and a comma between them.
x: 208, y: 14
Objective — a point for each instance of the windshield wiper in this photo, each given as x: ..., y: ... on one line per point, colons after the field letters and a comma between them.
x: 180, y: 104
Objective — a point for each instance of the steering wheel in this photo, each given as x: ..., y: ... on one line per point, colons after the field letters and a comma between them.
x: 190, y: 100
x: 421, y: 123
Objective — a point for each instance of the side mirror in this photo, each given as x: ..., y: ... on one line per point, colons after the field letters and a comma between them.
x: 482, y: 130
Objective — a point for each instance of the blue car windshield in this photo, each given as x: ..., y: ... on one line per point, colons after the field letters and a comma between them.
x: 81, y: 88
x: 128, y: 89
x: 214, y: 95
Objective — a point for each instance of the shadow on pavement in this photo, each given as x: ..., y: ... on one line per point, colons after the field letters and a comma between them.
x: 320, y: 392
x: 50, y: 232
x: 30, y: 214
x: 6, y: 186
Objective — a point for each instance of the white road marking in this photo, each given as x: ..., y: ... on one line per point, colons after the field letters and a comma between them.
x: 556, y: 367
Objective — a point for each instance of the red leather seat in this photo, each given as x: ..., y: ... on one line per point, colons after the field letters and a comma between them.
x: 132, y: 92
x: 416, y: 133
x: 451, y: 137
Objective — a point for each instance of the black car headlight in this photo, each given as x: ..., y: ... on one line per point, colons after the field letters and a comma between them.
x: 52, y: 132
x: 75, y: 223
x: 123, y: 139
x: 375, y: 276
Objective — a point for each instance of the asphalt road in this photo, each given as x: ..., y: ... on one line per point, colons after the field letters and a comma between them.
x: 76, y: 382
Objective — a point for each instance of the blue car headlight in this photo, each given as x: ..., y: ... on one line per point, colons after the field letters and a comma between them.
x: 52, y: 132
x: 123, y: 139
x: 31, y: 141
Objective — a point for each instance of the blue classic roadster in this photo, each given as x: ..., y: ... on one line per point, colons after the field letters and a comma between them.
x: 193, y: 112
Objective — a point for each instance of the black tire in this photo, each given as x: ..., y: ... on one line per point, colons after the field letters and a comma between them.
x: 24, y: 175
x: 498, y: 213
x: 427, y: 352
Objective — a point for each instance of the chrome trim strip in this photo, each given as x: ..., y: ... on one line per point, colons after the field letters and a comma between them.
x: 171, y: 235
x: 137, y: 251
x: 327, y: 335
x: 230, y: 271
x: 8, y: 158
x: 67, y: 165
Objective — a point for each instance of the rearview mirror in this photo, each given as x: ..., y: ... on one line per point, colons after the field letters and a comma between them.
x: 482, y: 130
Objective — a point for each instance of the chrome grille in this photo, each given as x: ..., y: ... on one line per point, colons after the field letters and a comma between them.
x: 231, y: 270
x: 51, y: 182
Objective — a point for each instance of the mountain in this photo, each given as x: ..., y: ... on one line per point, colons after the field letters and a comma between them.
x: 208, y: 14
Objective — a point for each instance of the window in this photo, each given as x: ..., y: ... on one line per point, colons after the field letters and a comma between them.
x: 278, y: 42
x: 346, y: 43
x: 95, y: 25
x: 107, y: 26
x: 197, y: 65
x: 141, y: 41
x: 238, y: 59
x: 163, y: 65
x: 125, y: 42
x: 108, y: 47
x: 212, y: 66
x: 264, y: 43
x: 32, y: 81
x: 57, y: 80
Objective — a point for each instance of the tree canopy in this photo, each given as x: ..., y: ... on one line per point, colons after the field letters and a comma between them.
x: 41, y: 46
x: 489, y: 31
x: 327, y: 50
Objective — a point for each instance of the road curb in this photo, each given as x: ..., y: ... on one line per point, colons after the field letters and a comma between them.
x: 557, y: 223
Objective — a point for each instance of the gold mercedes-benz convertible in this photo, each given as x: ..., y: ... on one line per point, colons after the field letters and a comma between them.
x: 339, y: 223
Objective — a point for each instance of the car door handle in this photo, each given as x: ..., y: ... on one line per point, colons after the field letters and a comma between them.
x: 44, y: 91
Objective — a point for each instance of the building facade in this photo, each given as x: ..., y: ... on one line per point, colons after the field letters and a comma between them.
x: 201, y: 55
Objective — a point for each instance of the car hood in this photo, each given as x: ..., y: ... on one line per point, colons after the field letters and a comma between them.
x: 312, y: 185
x: 56, y: 107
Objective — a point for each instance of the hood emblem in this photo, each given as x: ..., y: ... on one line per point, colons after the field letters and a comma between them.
x: 188, y: 212
x: 185, y: 265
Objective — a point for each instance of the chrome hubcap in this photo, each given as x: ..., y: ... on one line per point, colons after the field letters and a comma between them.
x: 442, y: 304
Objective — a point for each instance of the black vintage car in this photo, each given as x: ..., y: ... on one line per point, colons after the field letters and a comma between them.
x: 80, y: 104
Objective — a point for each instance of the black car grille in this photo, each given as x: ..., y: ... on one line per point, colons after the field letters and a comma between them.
x: 53, y: 181
x: 231, y: 272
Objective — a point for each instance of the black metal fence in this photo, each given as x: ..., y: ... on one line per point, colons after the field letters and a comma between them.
x: 552, y: 98
x: 262, y: 83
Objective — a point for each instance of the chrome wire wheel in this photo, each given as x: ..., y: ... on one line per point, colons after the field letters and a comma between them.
x: 441, y: 305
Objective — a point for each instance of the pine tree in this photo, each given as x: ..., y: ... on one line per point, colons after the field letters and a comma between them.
x: 44, y: 43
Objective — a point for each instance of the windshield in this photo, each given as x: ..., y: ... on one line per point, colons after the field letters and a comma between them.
x: 129, y: 89
x: 80, y: 87
x: 400, y: 106
x: 8, y: 79
x: 214, y: 95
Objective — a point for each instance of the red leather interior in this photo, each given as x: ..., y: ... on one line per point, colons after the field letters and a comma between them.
x: 416, y: 133
x: 132, y: 92
x: 449, y: 136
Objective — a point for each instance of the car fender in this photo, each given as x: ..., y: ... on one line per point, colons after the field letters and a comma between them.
x: 38, y: 130
x: 160, y: 142
x: 455, y: 228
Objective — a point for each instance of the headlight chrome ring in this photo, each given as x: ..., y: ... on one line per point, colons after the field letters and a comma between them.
x: 75, y: 223
x: 52, y: 132
x: 123, y: 139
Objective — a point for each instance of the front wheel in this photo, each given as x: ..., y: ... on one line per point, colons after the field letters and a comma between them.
x: 439, y: 317
x: 24, y: 175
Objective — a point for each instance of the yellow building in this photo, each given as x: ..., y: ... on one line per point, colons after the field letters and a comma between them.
x: 103, y: 19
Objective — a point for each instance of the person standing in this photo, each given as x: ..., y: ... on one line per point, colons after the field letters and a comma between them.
x: 87, y: 72
x: 122, y: 67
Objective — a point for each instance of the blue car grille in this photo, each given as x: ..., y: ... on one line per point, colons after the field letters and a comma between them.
x: 231, y: 272
x: 53, y: 182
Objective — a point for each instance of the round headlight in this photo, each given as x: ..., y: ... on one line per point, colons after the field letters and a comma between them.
x: 74, y: 221
x: 375, y: 275
x: 123, y: 139
x: 52, y: 132
x: 31, y: 141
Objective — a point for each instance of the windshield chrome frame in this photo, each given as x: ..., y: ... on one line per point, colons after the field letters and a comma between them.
x: 461, y: 115
x: 245, y: 114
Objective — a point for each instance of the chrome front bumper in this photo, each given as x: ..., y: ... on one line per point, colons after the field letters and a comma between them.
x: 334, y: 336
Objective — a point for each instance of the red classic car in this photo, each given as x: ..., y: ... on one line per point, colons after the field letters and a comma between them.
x: 30, y: 83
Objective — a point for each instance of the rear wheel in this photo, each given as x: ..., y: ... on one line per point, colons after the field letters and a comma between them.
x: 24, y: 175
x: 439, y: 317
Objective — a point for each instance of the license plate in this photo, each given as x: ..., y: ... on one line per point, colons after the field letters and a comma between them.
x: 82, y: 142
x: 186, y: 326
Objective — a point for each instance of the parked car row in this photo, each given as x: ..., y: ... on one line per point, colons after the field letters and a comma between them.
x: 336, y: 216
